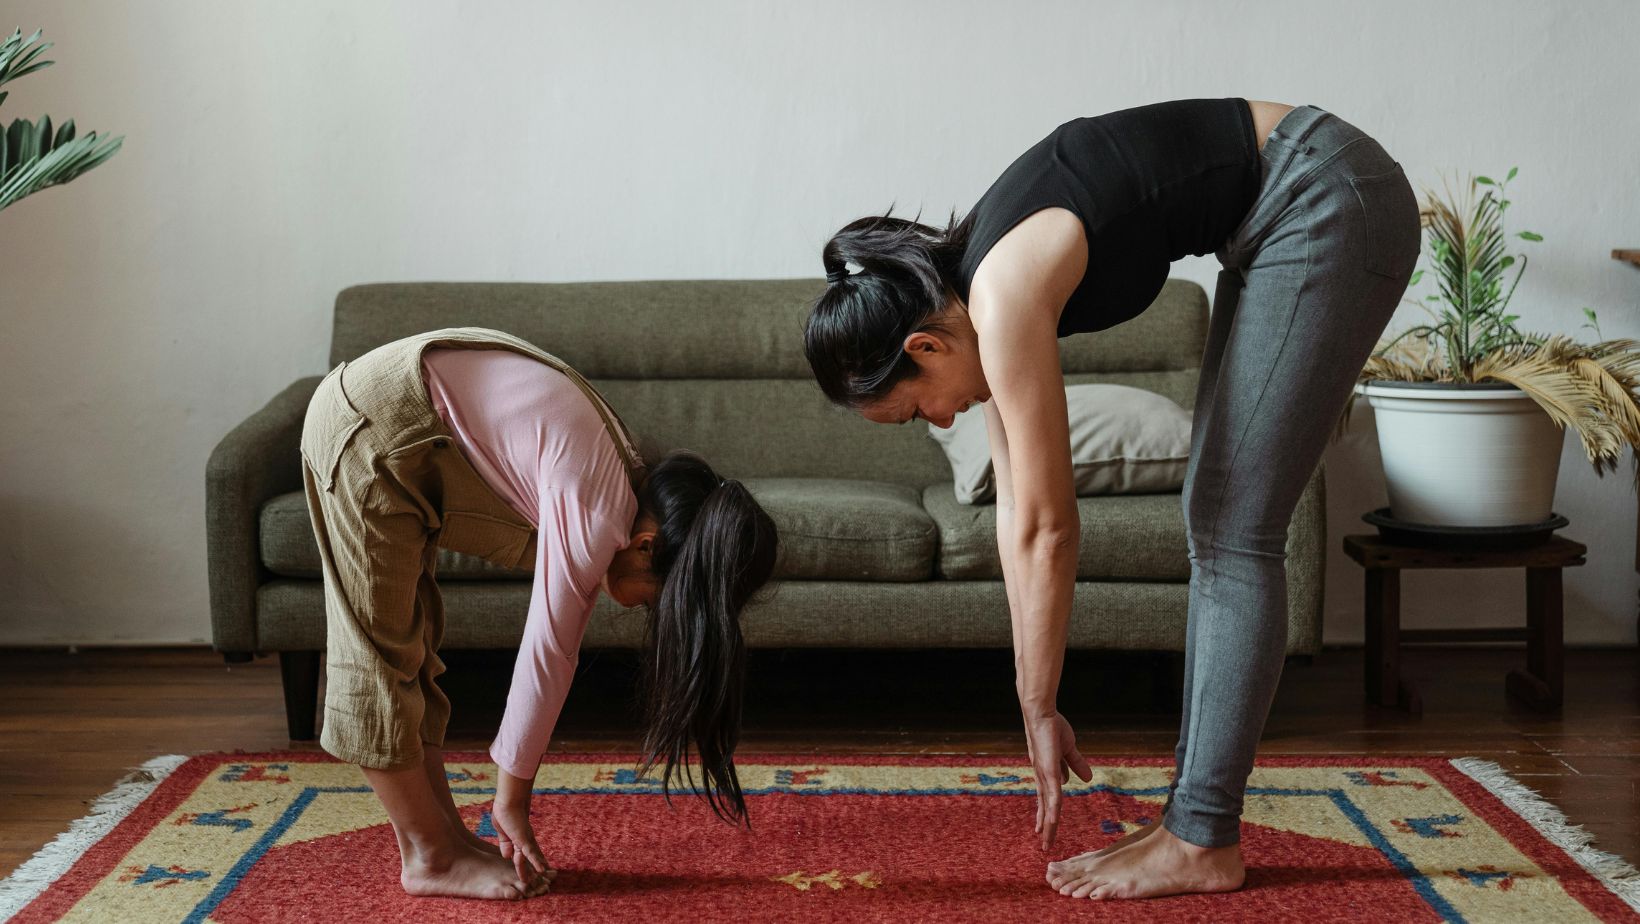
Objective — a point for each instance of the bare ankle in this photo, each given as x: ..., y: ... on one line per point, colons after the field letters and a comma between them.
x: 430, y: 855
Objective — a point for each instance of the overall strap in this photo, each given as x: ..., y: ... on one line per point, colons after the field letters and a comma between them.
x: 484, y: 336
x: 634, y: 467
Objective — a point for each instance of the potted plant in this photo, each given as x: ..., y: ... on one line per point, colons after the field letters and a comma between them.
x: 1470, y: 410
x: 31, y: 157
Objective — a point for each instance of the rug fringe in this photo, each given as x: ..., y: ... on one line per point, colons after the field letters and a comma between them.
x: 107, y: 810
x: 1613, y: 871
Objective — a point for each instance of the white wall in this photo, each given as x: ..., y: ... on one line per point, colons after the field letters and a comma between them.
x: 278, y: 151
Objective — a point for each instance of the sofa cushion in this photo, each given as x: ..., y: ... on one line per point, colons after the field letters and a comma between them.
x: 1125, y: 537
x: 289, y: 549
x: 830, y: 529
x: 846, y: 529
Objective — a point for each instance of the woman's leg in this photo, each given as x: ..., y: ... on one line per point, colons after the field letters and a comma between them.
x: 1218, y: 333
x: 1318, y: 288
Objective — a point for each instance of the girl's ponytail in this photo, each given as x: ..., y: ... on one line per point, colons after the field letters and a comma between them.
x: 714, y: 547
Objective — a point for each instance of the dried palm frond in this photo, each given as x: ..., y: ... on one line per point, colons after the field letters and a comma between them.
x: 1576, y: 391
x: 1592, y: 388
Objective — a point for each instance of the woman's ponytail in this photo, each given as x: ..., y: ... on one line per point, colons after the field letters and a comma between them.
x: 907, y: 277
x: 714, y: 548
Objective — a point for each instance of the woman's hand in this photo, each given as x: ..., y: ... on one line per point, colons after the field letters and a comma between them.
x: 1052, y: 745
x: 510, y: 816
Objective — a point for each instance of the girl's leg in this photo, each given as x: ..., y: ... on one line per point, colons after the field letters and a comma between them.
x: 378, y: 597
x: 437, y: 778
x: 434, y: 859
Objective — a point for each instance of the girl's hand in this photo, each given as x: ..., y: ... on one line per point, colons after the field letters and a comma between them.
x: 510, y: 816
x: 1052, y: 746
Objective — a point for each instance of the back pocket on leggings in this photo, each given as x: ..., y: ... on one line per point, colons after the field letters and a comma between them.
x: 1389, y: 213
x: 331, y: 422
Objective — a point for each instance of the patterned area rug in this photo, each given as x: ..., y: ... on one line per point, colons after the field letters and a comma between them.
x: 288, y: 836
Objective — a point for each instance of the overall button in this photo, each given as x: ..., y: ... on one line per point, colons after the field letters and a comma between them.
x: 441, y: 443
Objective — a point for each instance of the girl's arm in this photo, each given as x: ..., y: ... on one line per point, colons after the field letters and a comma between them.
x: 1015, y: 302
x: 576, y: 541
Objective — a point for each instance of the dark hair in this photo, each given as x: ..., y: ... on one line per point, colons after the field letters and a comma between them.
x: 856, y: 329
x: 714, y: 547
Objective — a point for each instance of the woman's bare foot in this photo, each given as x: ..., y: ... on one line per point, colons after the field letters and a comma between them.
x: 1149, y: 867
x: 1063, y: 868
x: 464, y: 872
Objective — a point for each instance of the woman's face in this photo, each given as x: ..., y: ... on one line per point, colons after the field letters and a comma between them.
x: 952, y: 379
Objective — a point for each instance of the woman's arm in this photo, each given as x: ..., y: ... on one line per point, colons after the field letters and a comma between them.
x: 997, y: 435
x: 1015, y: 304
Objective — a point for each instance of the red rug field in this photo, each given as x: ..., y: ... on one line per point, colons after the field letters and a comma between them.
x: 296, y: 836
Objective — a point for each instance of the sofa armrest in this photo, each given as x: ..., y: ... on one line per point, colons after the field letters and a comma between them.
x: 1307, y: 566
x: 257, y: 460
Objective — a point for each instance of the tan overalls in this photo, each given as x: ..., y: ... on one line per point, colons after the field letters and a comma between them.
x: 386, y: 487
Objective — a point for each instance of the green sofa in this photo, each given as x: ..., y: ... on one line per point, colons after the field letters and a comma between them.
x: 876, y: 550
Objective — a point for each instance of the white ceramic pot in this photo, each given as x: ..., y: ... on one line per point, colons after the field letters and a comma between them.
x: 1465, y: 455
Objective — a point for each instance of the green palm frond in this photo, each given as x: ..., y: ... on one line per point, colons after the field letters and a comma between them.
x: 32, y: 157
x: 17, y: 57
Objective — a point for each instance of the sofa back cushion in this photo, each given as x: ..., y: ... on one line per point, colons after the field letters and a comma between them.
x: 717, y: 365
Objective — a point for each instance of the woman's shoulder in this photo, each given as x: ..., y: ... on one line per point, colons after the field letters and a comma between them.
x: 1039, y: 262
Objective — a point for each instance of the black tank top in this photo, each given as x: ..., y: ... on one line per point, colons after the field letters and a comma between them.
x: 1150, y: 184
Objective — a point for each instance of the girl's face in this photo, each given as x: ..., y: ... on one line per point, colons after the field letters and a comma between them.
x: 952, y: 380
x: 629, y: 581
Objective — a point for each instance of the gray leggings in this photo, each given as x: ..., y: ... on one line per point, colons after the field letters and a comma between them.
x: 1309, y: 283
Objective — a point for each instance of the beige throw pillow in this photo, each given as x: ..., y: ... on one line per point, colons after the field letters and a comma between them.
x: 1124, y: 440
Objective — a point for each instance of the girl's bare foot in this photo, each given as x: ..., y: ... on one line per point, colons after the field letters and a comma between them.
x: 1149, y: 867
x: 473, y: 840
x: 464, y: 872
x: 1061, y: 868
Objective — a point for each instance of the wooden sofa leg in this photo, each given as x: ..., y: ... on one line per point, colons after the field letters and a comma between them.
x: 299, y: 670
x: 1167, y: 681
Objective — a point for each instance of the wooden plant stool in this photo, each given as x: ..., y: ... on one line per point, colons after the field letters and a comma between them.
x: 1539, y: 685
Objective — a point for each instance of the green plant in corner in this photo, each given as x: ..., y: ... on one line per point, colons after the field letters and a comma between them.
x: 32, y: 158
x: 1593, y: 388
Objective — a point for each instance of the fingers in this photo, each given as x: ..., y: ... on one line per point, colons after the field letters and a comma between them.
x: 1050, y: 813
x: 537, y: 859
x: 1080, y: 766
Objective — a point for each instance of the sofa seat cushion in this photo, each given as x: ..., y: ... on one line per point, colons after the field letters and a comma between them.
x: 1125, y: 537
x: 830, y: 529
x: 289, y: 549
x: 846, y: 529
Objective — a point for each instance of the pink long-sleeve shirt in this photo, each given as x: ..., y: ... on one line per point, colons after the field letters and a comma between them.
x: 537, y: 439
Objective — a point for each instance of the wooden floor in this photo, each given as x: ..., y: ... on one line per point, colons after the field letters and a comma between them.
x: 71, y: 723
